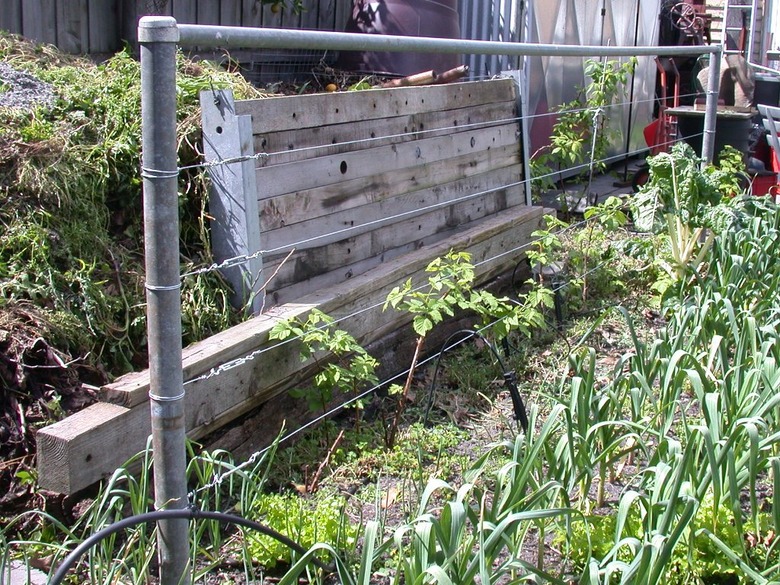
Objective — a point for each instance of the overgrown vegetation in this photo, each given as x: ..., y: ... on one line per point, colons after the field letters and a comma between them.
x: 72, y: 306
x: 72, y: 242
x: 652, y: 448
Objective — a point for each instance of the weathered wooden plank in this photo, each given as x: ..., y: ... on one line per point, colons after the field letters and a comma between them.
x: 235, y: 226
x: 11, y: 16
x: 89, y: 445
x: 290, y: 208
x: 230, y: 13
x: 293, y: 145
x: 103, y: 26
x: 72, y: 26
x: 315, y: 110
x: 326, y: 15
x: 343, y: 10
x: 209, y: 11
x: 309, y: 17
x: 286, y: 18
x: 185, y: 11
x: 252, y: 14
x: 328, y: 170
x: 39, y: 18
x: 451, y: 198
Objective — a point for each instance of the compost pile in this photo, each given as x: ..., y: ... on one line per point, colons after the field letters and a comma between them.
x: 72, y: 313
x: 38, y: 383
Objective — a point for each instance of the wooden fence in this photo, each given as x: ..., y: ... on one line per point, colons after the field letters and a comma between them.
x: 409, y: 173
x: 102, y: 26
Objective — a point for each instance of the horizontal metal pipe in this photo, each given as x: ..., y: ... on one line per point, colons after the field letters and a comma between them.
x: 231, y: 37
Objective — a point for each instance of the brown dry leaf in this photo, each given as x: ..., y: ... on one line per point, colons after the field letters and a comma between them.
x: 389, y: 498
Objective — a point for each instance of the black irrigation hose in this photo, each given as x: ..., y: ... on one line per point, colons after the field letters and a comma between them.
x: 180, y: 514
x: 510, y: 379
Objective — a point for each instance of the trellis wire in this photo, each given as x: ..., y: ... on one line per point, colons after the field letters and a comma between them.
x: 158, y: 38
x: 229, y: 365
x: 244, y: 258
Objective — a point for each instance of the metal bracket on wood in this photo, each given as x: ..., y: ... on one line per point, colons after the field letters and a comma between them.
x: 235, y: 223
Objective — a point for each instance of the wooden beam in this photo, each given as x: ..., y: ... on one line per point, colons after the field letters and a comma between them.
x: 89, y: 446
x: 235, y: 217
x: 277, y: 180
x: 323, y: 109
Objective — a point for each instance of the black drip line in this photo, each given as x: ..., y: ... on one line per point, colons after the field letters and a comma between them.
x: 510, y: 378
x: 181, y: 514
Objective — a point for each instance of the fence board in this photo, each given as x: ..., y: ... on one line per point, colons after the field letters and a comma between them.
x: 230, y: 13
x: 185, y: 11
x: 39, y: 18
x: 103, y: 26
x: 252, y: 13
x: 11, y: 16
x: 208, y: 11
x: 72, y: 26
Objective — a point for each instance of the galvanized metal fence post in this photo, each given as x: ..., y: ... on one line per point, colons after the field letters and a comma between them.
x: 711, y: 111
x: 158, y: 38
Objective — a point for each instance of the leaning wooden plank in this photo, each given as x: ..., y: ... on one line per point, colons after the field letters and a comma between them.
x: 315, y: 110
x: 292, y: 145
x: 291, y: 208
x: 88, y: 446
x: 241, y: 341
x: 328, y: 170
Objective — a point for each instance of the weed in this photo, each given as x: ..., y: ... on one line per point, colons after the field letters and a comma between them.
x: 308, y: 522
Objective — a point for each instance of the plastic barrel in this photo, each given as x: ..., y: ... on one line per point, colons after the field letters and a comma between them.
x: 732, y: 131
x: 422, y: 18
x: 767, y: 89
